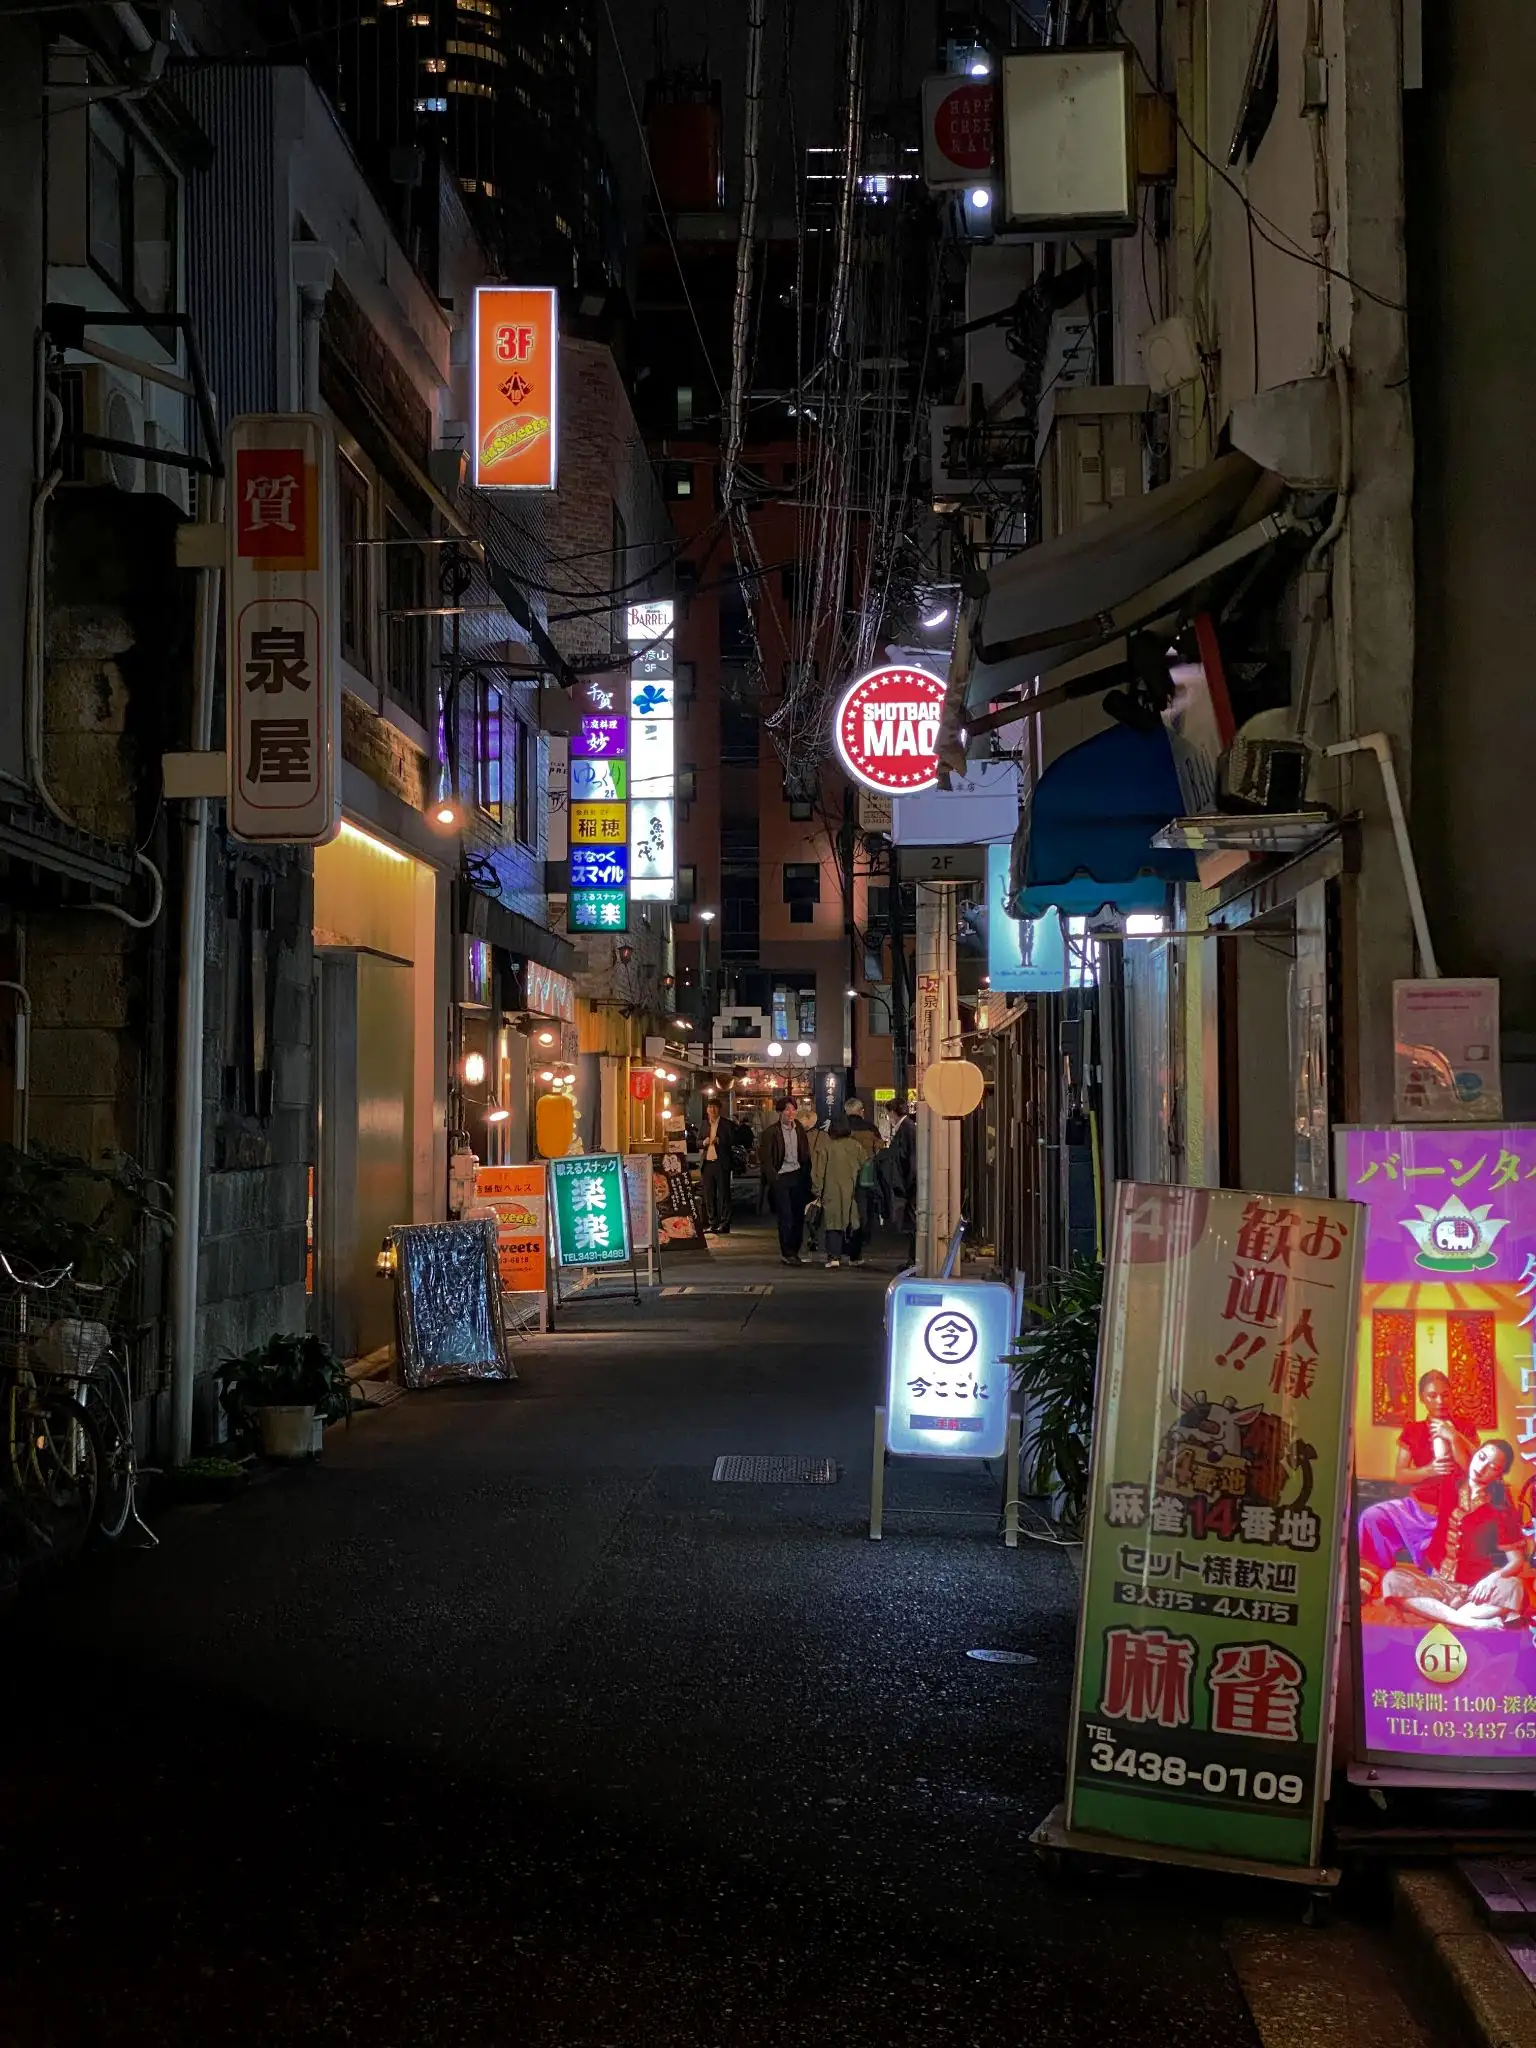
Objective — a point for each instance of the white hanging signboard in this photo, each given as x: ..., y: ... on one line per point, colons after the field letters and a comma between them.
x: 282, y: 631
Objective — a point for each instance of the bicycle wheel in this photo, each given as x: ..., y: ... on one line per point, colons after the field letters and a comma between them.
x: 55, y: 1461
x: 107, y: 1406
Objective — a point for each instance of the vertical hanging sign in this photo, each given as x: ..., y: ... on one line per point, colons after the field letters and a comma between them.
x: 282, y: 631
x: 1445, y: 1455
x: 516, y: 388
x: 649, y: 630
x: 1206, y: 1643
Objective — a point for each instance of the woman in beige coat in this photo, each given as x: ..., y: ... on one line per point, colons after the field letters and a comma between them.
x: 835, y: 1184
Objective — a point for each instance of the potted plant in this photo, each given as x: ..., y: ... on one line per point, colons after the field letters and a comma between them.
x: 288, y: 1387
x: 1054, y: 1367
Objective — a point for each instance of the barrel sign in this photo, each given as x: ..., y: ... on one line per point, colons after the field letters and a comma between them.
x: 888, y: 729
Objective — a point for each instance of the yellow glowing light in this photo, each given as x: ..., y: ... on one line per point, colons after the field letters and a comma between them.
x: 367, y: 839
x: 474, y: 1068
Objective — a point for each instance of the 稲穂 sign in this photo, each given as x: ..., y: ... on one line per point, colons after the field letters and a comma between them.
x: 283, y: 630
x: 887, y: 729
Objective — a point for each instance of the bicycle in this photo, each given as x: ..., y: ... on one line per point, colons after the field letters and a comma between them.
x: 70, y: 1457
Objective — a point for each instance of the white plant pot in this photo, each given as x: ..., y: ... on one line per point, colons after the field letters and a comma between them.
x: 288, y: 1430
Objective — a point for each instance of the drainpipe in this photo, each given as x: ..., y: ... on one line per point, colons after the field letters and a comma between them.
x: 189, y: 1050
x: 1380, y: 745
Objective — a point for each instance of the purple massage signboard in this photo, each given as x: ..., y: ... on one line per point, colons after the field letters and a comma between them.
x: 1445, y: 1453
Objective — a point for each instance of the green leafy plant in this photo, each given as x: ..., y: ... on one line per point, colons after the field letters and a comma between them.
x: 57, y: 1210
x: 288, y: 1371
x: 1054, y: 1366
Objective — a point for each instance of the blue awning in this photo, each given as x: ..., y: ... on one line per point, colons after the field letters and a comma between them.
x: 1090, y: 828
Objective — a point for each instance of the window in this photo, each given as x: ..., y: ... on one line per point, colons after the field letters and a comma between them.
x: 405, y: 599
x: 738, y: 734
x: 802, y: 881
x: 353, y: 494
x: 735, y: 624
x: 685, y: 683
x: 131, y: 216
x: 789, y: 584
x: 247, y: 1079
x: 687, y: 888
x: 435, y: 64
x: 522, y: 763
x: 485, y: 52
x: 431, y: 106
x: 489, y: 715
x: 685, y: 405
x: 486, y: 9
x: 472, y: 88
x: 878, y: 1010
x: 677, y: 479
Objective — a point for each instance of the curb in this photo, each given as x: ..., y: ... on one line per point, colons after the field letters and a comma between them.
x: 1488, y: 1995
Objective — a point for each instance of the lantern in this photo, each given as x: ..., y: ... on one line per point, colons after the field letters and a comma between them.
x: 953, y: 1087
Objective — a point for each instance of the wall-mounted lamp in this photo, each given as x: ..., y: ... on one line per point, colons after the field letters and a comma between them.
x: 474, y: 1069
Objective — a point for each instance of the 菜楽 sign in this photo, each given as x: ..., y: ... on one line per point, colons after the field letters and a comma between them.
x: 516, y: 388
x: 591, y: 1214
x: 1445, y: 1453
x: 519, y: 1197
x: 887, y: 729
x: 1209, y: 1620
x: 282, y: 627
x: 946, y: 1368
x: 1446, y: 1048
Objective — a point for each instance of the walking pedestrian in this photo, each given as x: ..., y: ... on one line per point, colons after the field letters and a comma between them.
x: 715, y: 1169
x: 784, y: 1159
x: 815, y: 1140
x: 835, y: 1182
x: 872, y: 1145
x: 902, y: 1154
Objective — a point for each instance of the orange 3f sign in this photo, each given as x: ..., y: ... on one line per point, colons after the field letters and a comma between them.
x: 517, y: 375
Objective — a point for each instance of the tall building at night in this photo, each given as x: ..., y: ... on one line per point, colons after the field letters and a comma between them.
x: 506, y: 100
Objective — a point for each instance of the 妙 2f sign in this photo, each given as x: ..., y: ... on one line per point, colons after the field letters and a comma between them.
x: 516, y: 388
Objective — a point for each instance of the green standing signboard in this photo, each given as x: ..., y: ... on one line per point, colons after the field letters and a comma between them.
x: 591, y: 1215
x: 1209, y: 1626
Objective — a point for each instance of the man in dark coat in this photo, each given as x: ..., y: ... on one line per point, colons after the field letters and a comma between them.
x: 784, y: 1159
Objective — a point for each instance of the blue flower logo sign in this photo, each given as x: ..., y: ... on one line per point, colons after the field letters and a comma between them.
x: 648, y: 700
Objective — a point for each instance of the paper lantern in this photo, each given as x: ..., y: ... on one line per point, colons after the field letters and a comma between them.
x: 554, y: 1125
x: 953, y: 1087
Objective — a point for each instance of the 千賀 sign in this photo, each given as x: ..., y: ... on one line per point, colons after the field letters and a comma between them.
x: 1445, y: 1453
x: 887, y: 729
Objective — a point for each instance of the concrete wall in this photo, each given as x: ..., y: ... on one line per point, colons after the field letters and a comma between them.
x: 1472, y: 183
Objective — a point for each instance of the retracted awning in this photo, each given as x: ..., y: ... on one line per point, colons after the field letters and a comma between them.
x: 1090, y: 827
x: 1069, y: 604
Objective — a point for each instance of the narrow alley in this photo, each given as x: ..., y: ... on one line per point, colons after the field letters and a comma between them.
x: 507, y: 1723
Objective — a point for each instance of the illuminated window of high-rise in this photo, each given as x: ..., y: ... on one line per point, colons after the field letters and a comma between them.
x: 483, y: 51
x: 433, y: 64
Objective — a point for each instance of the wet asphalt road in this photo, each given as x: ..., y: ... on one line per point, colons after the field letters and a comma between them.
x: 504, y: 1724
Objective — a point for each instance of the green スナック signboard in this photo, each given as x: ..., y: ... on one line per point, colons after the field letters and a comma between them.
x: 1205, y: 1663
x: 591, y: 1220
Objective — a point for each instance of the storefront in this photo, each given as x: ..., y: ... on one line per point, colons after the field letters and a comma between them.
x: 380, y: 934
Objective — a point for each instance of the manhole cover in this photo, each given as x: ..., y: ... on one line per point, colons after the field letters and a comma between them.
x: 777, y: 1471
x: 1002, y: 1657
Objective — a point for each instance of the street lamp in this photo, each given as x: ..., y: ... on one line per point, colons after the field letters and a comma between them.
x: 803, y: 1051
x: 707, y: 1008
x: 775, y: 1050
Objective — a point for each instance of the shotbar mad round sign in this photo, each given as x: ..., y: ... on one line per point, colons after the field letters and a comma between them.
x: 887, y: 729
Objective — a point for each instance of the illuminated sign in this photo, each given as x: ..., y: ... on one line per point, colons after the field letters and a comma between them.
x: 947, y: 1373
x: 282, y: 646
x: 652, y: 757
x: 1445, y: 1453
x: 958, y: 118
x: 591, y: 1211
x: 601, y: 738
x: 652, y: 849
x: 1203, y: 1696
x: 598, y: 782
x: 599, y: 867
x: 516, y: 388
x: 650, y: 621
x: 1023, y: 954
x: 598, y: 824
x: 887, y: 729
x: 518, y: 1195
x: 651, y: 696
x: 599, y: 910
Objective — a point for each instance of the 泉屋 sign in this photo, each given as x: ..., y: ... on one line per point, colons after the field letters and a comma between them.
x: 282, y: 627
x: 887, y: 729
x: 1445, y: 1453
x: 1209, y: 1620
x: 947, y: 1374
x: 516, y: 388
x: 591, y: 1216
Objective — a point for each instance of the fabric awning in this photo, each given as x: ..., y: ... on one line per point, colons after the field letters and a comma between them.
x: 1052, y: 604
x: 1090, y: 826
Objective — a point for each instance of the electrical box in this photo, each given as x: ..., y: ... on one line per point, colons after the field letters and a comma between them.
x: 1092, y: 442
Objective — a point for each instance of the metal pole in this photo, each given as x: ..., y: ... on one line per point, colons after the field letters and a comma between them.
x: 189, y: 1046
x: 877, y: 1480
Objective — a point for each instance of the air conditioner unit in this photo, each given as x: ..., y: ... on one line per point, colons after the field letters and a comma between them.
x: 167, y: 479
x: 111, y: 405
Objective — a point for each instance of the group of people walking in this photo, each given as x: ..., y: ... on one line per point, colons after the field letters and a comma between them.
x: 830, y: 1179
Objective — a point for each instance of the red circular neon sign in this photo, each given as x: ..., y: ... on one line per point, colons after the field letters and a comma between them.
x: 887, y: 729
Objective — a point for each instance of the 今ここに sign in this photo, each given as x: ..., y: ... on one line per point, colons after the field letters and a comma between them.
x: 946, y: 1368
